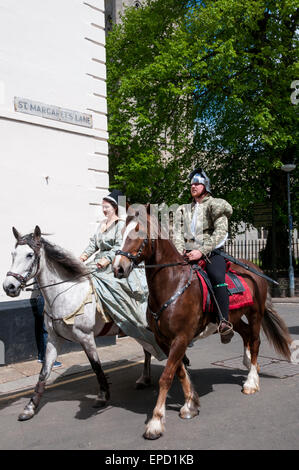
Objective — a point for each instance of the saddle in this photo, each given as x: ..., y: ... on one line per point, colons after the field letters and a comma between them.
x: 239, y: 292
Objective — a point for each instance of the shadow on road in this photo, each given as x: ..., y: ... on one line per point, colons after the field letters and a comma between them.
x: 123, y: 392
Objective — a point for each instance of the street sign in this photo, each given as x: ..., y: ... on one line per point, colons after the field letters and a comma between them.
x: 48, y: 111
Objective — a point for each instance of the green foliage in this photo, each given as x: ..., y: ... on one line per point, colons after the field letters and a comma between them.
x: 150, y: 105
x: 192, y: 83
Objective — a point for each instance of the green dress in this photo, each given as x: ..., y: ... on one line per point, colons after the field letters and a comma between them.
x: 124, y: 300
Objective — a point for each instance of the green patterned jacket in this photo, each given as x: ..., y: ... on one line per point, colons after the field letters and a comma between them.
x: 202, y: 226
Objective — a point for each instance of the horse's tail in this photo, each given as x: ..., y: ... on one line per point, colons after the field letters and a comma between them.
x: 276, y: 330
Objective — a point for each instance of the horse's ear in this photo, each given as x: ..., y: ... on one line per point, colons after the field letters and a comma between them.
x: 16, y: 233
x: 37, y: 233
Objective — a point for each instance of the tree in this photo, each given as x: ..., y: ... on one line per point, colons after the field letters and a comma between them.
x: 151, y: 109
x: 205, y: 83
x: 245, y: 61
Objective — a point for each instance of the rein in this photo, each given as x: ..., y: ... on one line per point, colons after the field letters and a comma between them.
x: 167, y: 265
x: 134, y: 258
x: 57, y: 283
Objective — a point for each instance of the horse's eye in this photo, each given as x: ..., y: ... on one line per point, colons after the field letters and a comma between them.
x: 29, y: 255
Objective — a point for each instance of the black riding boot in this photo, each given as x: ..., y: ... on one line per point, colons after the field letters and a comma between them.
x: 216, y: 271
x: 225, y: 327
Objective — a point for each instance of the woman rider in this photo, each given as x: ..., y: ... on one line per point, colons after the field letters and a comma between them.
x: 123, y: 300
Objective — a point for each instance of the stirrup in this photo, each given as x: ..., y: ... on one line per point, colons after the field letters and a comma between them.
x: 227, y: 335
x: 229, y: 330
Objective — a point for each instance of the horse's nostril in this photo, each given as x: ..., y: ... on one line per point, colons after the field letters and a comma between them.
x: 11, y: 287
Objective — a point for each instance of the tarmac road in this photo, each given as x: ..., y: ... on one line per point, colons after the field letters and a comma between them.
x: 227, y: 420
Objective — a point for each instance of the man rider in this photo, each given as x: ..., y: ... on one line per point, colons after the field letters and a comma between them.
x: 202, y: 228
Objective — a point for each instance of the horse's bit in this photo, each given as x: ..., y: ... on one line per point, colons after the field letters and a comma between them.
x: 36, y: 248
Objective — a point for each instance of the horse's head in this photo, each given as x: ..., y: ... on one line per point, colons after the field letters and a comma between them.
x: 25, y: 262
x: 139, y: 234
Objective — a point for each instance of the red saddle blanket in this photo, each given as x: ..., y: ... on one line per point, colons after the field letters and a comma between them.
x: 240, y: 294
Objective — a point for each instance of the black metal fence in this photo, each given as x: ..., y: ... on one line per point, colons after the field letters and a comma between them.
x: 251, y: 250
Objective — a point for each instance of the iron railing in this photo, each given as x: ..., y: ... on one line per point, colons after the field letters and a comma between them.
x: 251, y: 250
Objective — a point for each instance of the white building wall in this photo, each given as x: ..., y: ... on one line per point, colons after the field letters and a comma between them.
x: 52, y: 174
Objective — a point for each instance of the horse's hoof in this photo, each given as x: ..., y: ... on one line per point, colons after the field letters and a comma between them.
x: 151, y: 437
x: 99, y: 403
x: 154, y: 429
x: 188, y: 414
x: 249, y: 390
x: 25, y: 416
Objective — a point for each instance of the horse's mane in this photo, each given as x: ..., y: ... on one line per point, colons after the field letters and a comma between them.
x: 66, y: 260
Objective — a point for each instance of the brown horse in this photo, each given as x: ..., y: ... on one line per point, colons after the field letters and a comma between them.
x: 176, y: 316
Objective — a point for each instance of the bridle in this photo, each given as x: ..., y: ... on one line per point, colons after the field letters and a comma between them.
x: 132, y: 257
x: 35, y: 246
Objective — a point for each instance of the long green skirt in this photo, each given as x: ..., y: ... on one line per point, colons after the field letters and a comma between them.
x: 125, y: 301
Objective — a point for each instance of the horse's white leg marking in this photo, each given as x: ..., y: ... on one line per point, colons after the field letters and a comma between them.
x: 156, y: 426
x: 252, y: 383
x: 247, y: 357
x: 145, y: 379
x: 191, y: 405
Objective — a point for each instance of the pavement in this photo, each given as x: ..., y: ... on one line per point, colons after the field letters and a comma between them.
x: 24, y: 375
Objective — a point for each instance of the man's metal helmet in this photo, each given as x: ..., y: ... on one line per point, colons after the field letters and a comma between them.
x: 199, y: 176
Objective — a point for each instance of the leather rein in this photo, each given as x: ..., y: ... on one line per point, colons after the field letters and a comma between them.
x: 134, y: 258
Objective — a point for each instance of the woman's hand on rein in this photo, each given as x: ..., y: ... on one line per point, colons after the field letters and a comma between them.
x: 103, y: 263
